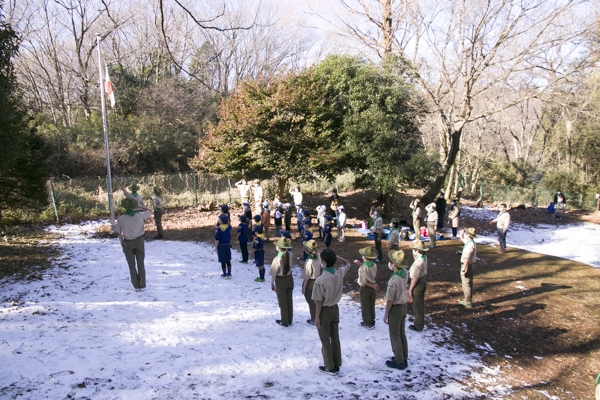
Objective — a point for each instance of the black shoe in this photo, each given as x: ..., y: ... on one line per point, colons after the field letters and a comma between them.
x: 334, y: 371
x: 394, y: 360
x: 278, y: 321
x: 393, y: 364
x: 310, y: 321
x: 370, y: 326
x: 414, y: 328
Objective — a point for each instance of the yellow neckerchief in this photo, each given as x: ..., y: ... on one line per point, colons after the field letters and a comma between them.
x: 261, y: 235
x: 223, y: 227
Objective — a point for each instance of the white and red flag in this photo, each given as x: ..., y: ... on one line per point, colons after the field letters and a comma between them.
x: 109, y: 90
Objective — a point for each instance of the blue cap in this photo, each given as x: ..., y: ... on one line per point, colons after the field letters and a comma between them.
x: 243, y: 218
x: 257, y: 218
x: 224, y: 208
x: 286, y: 234
x: 307, y: 222
x: 224, y: 219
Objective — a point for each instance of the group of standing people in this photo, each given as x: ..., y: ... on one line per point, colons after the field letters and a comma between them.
x: 322, y: 281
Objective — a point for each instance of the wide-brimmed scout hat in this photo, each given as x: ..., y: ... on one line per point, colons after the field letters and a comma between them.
x: 158, y: 190
x: 394, y: 221
x: 418, y: 245
x: 368, y: 253
x: 134, y: 187
x: 397, y: 258
x: 129, y: 204
x: 470, y: 232
x: 311, y: 246
x: 431, y: 205
x: 283, y: 243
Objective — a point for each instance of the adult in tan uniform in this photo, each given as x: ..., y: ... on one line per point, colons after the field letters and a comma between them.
x: 432, y: 221
x: 467, y: 261
x: 130, y: 227
x: 312, y: 270
x: 245, y: 190
x: 282, y: 282
x: 377, y: 231
x: 417, y: 219
x: 502, y: 222
x: 327, y: 292
x: 368, y: 287
x: 395, y: 310
x: 418, y: 284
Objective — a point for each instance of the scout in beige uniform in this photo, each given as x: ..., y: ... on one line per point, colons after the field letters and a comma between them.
x: 395, y: 310
x: 467, y: 261
x: 432, y: 221
x: 157, y: 204
x: 502, y: 221
x: 418, y: 284
x: 134, y: 193
x: 326, y: 294
x: 377, y: 231
x: 282, y: 282
x: 394, y: 236
x: 312, y: 270
x: 130, y: 227
x: 416, y: 217
x: 368, y: 287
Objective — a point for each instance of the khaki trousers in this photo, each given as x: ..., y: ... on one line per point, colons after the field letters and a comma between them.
x: 419, y: 302
x: 431, y: 232
x: 417, y: 227
x: 467, y: 285
x: 396, y: 323
x: 284, y: 286
x: 330, y: 338
x: 367, y: 304
x: 312, y: 306
x: 134, y: 253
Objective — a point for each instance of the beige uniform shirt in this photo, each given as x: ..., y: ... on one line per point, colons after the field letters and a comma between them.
x: 132, y: 227
x: 138, y: 198
x: 396, y: 290
x: 502, y: 220
x: 277, y: 267
x: 366, y: 274
x: 393, y: 238
x: 432, y: 216
x: 328, y: 286
x: 312, y: 269
x: 377, y: 224
x: 469, y: 253
x: 416, y: 214
x: 418, y: 269
x: 157, y: 202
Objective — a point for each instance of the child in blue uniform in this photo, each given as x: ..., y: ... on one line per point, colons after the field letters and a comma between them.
x: 306, y: 236
x: 223, y: 245
x: 287, y: 216
x: 224, y: 212
x: 327, y: 236
x: 248, y: 213
x: 259, y: 252
x: 299, y: 220
x: 242, y: 231
x: 278, y: 216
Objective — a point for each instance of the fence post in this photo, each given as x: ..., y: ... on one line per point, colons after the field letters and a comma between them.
x: 580, y: 200
x: 230, y: 197
x: 196, y: 177
x: 54, y: 202
x: 507, y: 198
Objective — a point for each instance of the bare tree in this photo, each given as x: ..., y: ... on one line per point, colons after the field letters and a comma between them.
x: 460, y: 51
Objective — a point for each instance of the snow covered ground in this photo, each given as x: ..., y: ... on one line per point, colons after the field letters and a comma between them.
x: 82, y: 332
x: 578, y: 241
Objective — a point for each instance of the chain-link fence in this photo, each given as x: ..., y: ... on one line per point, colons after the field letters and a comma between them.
x: 534, y: 196
x: 88, y: 196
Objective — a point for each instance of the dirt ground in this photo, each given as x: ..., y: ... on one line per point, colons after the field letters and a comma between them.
x: 536, y: 318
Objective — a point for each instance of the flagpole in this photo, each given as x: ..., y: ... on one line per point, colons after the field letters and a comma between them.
x: 105, y: 128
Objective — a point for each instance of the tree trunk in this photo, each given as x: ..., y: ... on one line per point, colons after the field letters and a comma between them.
x: 450, y: 181
x: 569, y: 133
x: 388, y: 32
x: 437, y: 184
x: 457, y: 185
x: 281, y: 183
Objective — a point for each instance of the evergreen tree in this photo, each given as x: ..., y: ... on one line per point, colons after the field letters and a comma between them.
x: 22, y: 174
